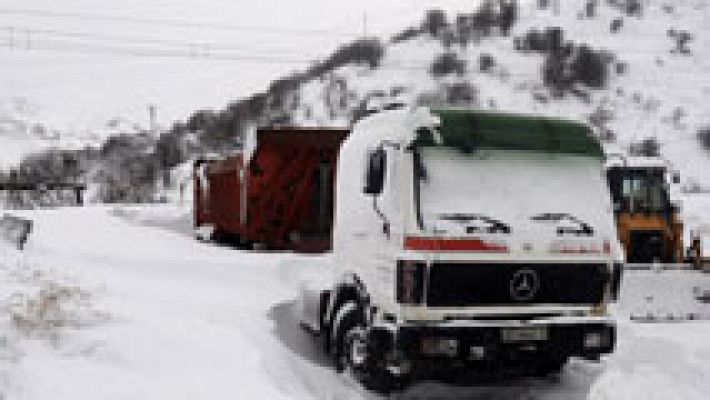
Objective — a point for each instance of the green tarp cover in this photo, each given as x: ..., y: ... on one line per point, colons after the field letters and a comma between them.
x: 470, y: 130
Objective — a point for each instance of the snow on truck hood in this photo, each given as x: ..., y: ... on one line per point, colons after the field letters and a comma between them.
x: 515, y: 197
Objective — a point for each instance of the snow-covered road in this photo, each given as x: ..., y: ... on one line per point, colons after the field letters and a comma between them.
x: 188, y: 320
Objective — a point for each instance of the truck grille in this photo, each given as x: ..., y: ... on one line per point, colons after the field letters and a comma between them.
x: 465, y: 284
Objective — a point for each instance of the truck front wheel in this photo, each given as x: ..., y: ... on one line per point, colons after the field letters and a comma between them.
x: 353, y: 354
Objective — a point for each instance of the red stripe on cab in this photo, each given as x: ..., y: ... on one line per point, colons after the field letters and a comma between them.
x: 436, y: 244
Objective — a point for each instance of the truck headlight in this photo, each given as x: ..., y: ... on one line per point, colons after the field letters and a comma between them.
x: 410, y: 282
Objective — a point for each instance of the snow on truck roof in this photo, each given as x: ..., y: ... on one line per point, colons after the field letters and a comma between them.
x: 637, y: 162
x: 471, y: 129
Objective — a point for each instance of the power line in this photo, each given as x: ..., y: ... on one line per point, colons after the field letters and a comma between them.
x: 23, y: 38
x: 102, y: 49
x: 92, y: 43
x: 16, y: 36
x: 199, y: 54
x: 34, y: 33
x: 174, y: 22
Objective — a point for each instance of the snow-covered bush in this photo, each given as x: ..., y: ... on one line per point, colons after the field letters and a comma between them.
x: 458, y: 94
x: 590, y: 8
x: 406, y: 35
x: 703, y: 136
x: 493, y: 16
x: 367, y: 51
x: 600, y: 117
x: 434, y: 22
x: 52, y: 307
x: 486, y: 62
x: 508, y: 16
x: 681, y: 39
x: 39, y: 302
x: 590, y: 67
x: 538, y: 41
x: 461, y: 94
x: 555, y: 74
x: 446, y: 64
x: 621, y: 67
x: 616, y: 25
x: 486, y: 18
x: 628, y: 7
x: 572, y: 65
x: 648, y: 147
x: 335, y: 96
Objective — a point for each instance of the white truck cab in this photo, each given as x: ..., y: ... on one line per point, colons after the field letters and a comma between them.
x: 466, y: 238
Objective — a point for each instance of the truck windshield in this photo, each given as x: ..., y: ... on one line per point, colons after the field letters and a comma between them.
x: 499, y: 191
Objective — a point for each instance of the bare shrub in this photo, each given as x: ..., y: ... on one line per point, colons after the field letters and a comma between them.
x: 406, y: 35
x: 616, y: 25
x: 648, y: 147
x: 681, y: 40
x: 446, y: 64
x: 703, y: 136
x: 628, y: 7
x: 486, y: 62
x: 461, y: 94
x: 508, y: 16
x: 434, y: 22
x: 541, y: 41
x: 590, y: 67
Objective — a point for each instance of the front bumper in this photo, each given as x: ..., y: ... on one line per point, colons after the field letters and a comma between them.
x: 428, y: 346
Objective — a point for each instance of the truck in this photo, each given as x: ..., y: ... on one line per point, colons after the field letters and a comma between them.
x: 276, y: 196
x: 466, y: 241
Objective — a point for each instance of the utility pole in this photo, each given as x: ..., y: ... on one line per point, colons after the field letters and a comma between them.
x: 152, y: 111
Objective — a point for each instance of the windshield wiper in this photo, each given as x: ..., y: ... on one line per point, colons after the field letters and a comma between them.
x: 584, y: 228
x: 494, y: 225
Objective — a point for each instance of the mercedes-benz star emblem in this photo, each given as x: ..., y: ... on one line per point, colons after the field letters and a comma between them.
x: 524, y: 285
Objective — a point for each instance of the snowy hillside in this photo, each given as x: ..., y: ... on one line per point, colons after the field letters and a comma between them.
x: 21, y: 131
x: 638, y: 71
x: 655, y: 87
x: 26, y: 128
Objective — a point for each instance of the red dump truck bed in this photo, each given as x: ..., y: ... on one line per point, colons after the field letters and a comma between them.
x: 282, y: 197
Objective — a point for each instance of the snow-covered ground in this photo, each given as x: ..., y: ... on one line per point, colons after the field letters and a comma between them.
x: 122, y: 303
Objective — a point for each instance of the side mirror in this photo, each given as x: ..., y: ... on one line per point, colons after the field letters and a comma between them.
x: 375, y: 172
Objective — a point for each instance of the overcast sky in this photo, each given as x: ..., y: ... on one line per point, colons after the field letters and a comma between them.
x: 49, y: 66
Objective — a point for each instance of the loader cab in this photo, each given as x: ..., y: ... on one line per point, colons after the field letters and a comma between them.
x: 647, y: 220
x: 639, y: 190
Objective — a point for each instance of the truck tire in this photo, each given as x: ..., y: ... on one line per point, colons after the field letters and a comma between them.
x: 353, y: 354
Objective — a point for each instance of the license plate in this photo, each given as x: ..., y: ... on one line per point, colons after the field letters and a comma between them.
x: 524, y: 334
